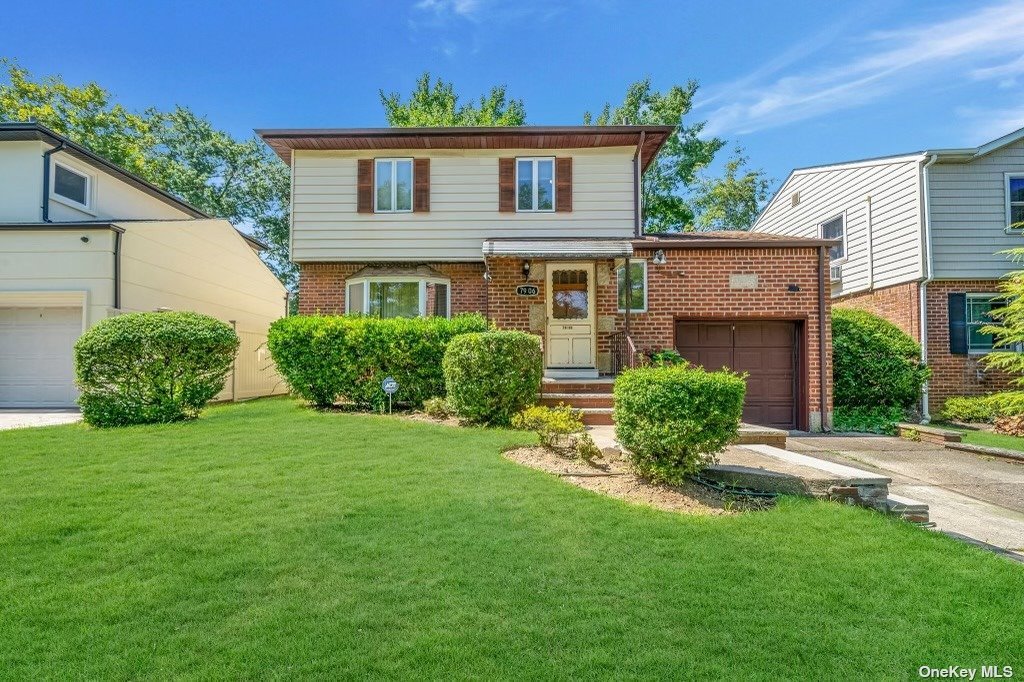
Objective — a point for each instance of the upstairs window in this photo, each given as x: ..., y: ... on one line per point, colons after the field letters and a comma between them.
x: 535, y: 185
x: 1015, y: 202
x: 71, y: 185
x: 393, y: 179
x: 835, y: 229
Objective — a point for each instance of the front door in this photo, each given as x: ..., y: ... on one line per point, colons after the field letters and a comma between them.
x: 571, y: 315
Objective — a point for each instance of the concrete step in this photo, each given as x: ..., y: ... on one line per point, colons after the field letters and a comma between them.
x: 597, y: 416
x: 911, y: 510
x: 751, y: 434
x: 928, y: 434
x: 577, y: 400
x: 577, y: 386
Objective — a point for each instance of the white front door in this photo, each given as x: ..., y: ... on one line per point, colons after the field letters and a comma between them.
x: 570, y: 315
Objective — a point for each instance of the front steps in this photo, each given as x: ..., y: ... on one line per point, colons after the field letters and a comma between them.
x: 592, y: 397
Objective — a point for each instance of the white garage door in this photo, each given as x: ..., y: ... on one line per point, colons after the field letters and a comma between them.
x: 36, y: 366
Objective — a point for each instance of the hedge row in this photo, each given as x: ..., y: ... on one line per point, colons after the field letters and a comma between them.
x: 326, y: 359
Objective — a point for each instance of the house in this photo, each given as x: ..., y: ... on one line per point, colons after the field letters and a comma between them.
x: 82, y: 239
x: 539, y: 229
x: 920, y: 237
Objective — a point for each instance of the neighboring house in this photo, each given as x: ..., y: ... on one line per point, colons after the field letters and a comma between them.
x: 538, y: 228
x: 82, y: 239
x: 920, y: 236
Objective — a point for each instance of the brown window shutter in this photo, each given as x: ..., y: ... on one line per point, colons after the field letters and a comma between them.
x: 364, y: 186
x: 421, y: 185
x: 563, y: 184
x: 507, y: 185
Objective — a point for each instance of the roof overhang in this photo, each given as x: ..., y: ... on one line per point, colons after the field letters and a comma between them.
x: 728, y: 239
x: 77, y: 225
x: 419, y: 271
x: 562, y: 249
x: 284, y: 141
x: 17, y: 131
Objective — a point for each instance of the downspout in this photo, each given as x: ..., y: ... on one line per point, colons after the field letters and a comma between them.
x: 117, y: 269
x: 629, y: 293
x: 638, y: 196
x: 871, y: 249
x: 822, y: 346
x: 929, y: 275
x: 46, y: 179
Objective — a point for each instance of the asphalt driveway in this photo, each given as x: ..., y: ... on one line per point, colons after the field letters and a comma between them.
x: 20, y: 419
x: 973, y: 496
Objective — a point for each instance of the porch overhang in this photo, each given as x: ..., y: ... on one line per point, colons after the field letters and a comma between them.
x: 558, y: 249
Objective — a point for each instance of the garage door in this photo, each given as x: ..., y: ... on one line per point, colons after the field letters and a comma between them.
x: 767, y: 351
x: 36, y: 366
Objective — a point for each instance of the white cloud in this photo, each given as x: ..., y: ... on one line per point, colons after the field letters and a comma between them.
x: 870, y: 67
x: 460, y: 8
x: 985, y: 124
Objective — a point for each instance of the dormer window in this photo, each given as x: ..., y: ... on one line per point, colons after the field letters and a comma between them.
x: 394, y: 186
x: 72, y: 186
x: 535, y: 184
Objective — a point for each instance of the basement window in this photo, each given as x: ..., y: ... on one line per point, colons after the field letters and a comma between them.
x: 71, y: 185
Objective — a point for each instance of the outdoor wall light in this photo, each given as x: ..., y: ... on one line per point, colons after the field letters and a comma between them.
x: 659, y: 257
x: 793, y: 288
x: 526, y: 270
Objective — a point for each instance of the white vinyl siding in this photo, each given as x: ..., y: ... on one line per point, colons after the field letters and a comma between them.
x: 463, y: 206
x: 893, y: 186
x: 969, y: 215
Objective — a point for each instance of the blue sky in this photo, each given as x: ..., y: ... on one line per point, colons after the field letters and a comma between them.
x: 795, y: 82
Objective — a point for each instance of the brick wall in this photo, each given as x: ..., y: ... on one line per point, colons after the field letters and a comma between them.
x: 955, y: 374
x: 900, y: 304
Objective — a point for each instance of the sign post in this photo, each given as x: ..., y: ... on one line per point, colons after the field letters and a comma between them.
x: 390, y: 387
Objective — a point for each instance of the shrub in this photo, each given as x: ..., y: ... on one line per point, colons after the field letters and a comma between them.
x: 325, y: 359
x: 585, y: 447
x: 667, y: 358
x: 867, y: 419
x: 984, y: 408
x: 146, y: 368
x: 673, y: 420
x: 493, y: 375
x: 874, y: 362
x: 436, y: 408
x: 553, y: 425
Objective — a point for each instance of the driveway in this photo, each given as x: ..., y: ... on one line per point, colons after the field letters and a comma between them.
x: 20, y: 419
x: 976, y: 497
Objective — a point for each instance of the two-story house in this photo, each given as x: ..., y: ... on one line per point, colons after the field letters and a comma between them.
x: 919, y: 241
x: 539, y: 229
x: 82, y: 239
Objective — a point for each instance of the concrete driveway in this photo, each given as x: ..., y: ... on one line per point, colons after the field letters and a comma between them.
x: 20, y: 419
x: 976, y: 497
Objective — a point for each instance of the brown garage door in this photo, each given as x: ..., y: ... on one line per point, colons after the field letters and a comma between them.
x: 767, y: 351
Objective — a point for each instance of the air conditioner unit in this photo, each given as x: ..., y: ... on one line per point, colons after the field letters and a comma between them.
x: 835, y: 273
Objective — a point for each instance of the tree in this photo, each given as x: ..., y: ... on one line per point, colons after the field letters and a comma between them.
x: 178, y: 151
x: 438, y: 105
x: 1008, y: 327
x: 733, y: 200
x: 671, y: 176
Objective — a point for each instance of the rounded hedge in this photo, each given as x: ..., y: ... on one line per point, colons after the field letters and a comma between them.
x: 325, y: 359
x: 674, y: 419
x: 874, y: 363
x: 145, y: 368
x: 492, y: 376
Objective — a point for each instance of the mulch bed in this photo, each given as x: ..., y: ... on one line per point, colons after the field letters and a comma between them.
x: 612, y: 477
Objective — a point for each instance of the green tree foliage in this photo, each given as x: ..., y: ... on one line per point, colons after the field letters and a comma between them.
x: 1009, y: 328
x: 733, y: 200
x: 438, y: 105
x: 681, y: 158
x: 178, y: 151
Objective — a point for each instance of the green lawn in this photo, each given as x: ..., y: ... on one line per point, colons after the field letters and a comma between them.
x: 270, y: 541
x: 991, y: 440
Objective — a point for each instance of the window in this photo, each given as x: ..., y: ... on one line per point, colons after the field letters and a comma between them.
x: 570, y: 295
x: 1015, y: 202
x: 835, y: 229
x: 636, y: 294
x: 71, y: 185
x: 979, y: 314
x: 794, y: 199
x: 393, y: 178
x: 397, y: 297
x: 535, y: 184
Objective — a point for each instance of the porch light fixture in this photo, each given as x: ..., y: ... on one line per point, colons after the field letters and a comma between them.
x: 659, y: 257
x: 526, y: 270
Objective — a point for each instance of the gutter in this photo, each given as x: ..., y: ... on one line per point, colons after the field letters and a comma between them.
x: 929, y: 275
x: 46, y: 178
x: 822, y: 360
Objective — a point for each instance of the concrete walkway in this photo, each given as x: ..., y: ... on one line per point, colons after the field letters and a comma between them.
x: 969, y: 496
x: 20, y: 419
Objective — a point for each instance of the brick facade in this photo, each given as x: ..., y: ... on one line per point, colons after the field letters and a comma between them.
x: 952, y: 375
x: 900, y: 304
x: 693, y: 284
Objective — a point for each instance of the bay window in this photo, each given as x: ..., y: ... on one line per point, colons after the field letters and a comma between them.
x: 389, y: 297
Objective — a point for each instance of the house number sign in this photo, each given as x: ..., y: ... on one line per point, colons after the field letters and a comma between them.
x: 527, y: 290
